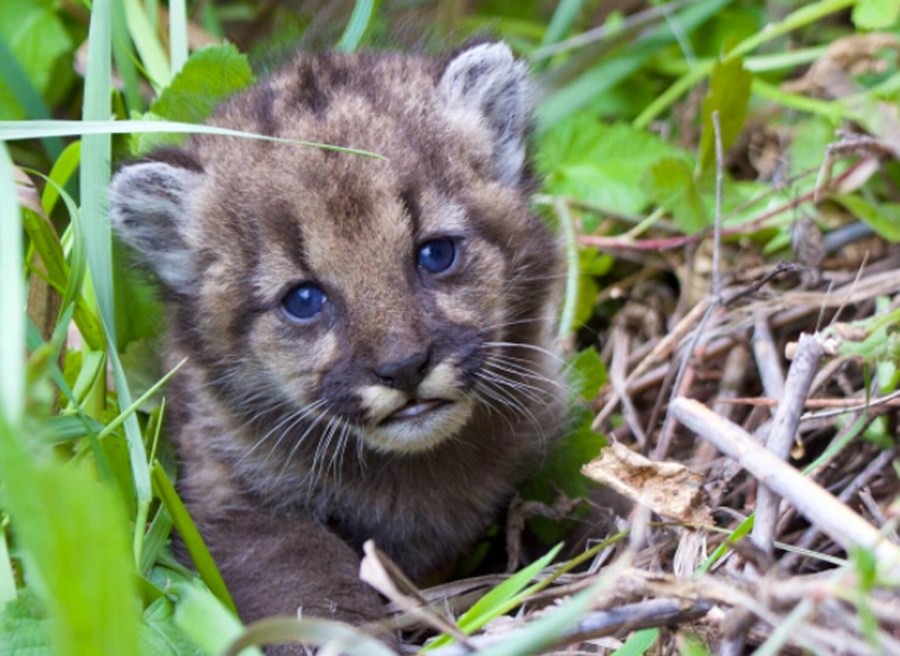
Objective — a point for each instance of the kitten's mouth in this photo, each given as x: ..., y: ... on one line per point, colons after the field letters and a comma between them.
x: 413, y: 409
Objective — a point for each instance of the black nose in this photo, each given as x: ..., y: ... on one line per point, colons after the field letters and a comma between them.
x: 405, y: 374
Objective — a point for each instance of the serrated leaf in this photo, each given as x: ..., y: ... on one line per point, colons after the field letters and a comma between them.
x: 671, y: 184
x: 582, y: 158
x: 210, y: 75
x: 161, y: 635
x: 24, y: 629
x: 876, y: 14
x: 729, y: 93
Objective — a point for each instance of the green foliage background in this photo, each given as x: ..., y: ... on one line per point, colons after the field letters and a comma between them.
x: 87, y: 500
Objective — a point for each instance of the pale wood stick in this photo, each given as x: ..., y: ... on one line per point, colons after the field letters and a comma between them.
x: 815, y: 503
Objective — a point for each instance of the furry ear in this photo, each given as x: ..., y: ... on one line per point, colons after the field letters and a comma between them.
x: 487, y: 79
x: 149, y: 210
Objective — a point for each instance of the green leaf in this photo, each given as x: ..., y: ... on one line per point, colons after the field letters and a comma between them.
x: 34, y: 34
x: 671, y: 184
x: 883, y: 218
x: 586, y: 373
x: 162, y: 635
x: 876, y: 14
x: 72, y: 535
x: 583, y: 158
x: 24, y: 628
x: 729, y: 93
x: 210, y: 75
x: 584, y: 305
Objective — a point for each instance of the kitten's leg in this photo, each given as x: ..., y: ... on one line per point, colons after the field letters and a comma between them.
x: 277, y: 566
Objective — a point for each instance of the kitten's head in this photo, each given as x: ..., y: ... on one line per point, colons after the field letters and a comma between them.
x: 329, y: 286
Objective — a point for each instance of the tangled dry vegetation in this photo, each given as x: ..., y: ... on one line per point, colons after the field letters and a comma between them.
x: 744, y: 401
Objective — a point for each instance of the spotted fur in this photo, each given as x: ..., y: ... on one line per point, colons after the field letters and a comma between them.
x: 292, y: 446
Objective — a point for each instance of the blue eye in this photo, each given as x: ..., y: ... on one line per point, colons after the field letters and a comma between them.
x: 304, y: 302
x: 436, y: 255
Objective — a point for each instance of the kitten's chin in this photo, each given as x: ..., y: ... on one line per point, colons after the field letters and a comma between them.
x: 416, y: 429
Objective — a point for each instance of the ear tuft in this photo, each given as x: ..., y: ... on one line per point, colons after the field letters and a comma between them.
x: 150, y: 212
x: 488, y: 80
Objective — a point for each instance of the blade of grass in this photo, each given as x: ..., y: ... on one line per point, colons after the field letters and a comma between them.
x: 66, y: 279
x: 566, y: 13
x: 131, y: 409
x: 157, y: 536
x: 12, y: 299
x: 573, y: 272
x: 66, y: 165
x: 360, y: 21
x: 178, y: 41
x: 16, y: 130
x: 202, y: 617
x: 638, y: 643
x: 801, y: 17
x: 545, y: 630
x: 203, y: 560
x: 71, y: 284
x: 612, y: 70
x: 95, y: 177
x: 124, y: 56
x: 69, y: 529
x: 148, y: 46
x: 497, y: 601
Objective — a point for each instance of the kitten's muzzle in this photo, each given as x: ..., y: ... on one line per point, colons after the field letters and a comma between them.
x: 415, y: 408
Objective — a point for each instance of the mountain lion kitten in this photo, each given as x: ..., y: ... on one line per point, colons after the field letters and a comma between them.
x: 368, y: 339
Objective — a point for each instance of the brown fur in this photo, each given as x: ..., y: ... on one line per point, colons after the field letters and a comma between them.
x: 285, y: 497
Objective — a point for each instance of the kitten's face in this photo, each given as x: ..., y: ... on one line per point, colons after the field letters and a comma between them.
x: 381, y: 321
x: 341, y: 291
